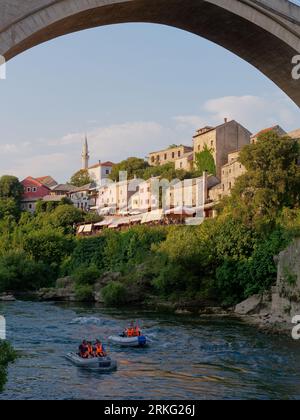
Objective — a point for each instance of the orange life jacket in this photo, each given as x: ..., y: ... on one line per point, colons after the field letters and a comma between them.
x: 90, y: 350
x: 130, y: 332
x: 99, y: 350
x: 137, y: 332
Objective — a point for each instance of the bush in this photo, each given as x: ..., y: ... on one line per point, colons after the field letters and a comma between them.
x: 86, y: 275
x: 7, y: 355
x: 84, y: 293
x: 20, y: 273
x: 114, y: 294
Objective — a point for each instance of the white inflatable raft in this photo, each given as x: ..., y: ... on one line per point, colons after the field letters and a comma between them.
x: 141, y: 341
x: 101, y: 364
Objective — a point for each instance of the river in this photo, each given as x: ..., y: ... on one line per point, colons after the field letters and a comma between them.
x: 191, y: 357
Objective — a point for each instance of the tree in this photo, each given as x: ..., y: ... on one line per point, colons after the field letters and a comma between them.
x: 272, y: 180
x: 205, y: 162
x: 81, y: 178
x: 10, y: 187
x: 65, y: 216
x: 133, y: 166
x: 9, y: 207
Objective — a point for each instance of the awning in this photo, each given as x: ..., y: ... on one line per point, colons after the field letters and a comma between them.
x: 88, y: 228
x: 80, y: 229
x: 104, y: 223
x: 134, y: 219
x: 194, y: 221
x: 153, y: 216
x: 181, y: 211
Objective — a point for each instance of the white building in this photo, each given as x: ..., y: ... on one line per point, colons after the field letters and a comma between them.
x: 115, y: 196
x: 100, y: 173
x: 82, y: 197
x: 146, y: 198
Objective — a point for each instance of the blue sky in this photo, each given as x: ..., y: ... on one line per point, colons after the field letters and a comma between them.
x: 133, y: 88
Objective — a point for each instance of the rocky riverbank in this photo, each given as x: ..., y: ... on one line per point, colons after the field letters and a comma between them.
x: 274, y: 310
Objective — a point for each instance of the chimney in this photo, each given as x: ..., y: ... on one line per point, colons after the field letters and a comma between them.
x: 225, y: 120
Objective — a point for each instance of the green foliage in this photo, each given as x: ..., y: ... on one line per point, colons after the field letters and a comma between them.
x: 10, y: 187
x: 48, y: 245
x: 84, y: 293
x: 114, y: 293
x: 271, y: 183
x: 9, y: 207
x: 205, y: 161
x: 81, y: 178
x: 7, y: 355
x: 20, y: 273
x: 86, y: 275
x: 66, y: 216
x: 133, y: 166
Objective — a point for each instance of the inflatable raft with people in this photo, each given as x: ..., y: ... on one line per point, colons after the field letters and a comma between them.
x: 92, y: 357
x: 131, y: 337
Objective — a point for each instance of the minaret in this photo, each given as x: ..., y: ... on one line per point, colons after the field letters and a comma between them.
x: 85, y: 154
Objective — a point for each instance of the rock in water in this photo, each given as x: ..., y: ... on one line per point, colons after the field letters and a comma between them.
x: 249, y: 306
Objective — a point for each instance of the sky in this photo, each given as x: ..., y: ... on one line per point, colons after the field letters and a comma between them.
x: 133, y: 88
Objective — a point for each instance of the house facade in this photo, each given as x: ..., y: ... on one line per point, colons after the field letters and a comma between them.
x: 168, y: 155
x: 100, y: 173
x: 221, y: 141
x: 34, y: 190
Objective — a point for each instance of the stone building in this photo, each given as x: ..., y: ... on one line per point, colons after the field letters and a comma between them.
x: 186, y: 163
x: 168, y: 155
x: 222, y: 140
x: 276, y: 128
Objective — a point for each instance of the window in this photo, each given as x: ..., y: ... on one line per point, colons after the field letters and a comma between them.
x: 28, y: 189
x: 34, y: 189
x: 166, y: 156
x: 152, y: 159
x: 179, y: 153
x: 173, y: 155
x: 230, y: 185
x: 199, y: 148
x: 181, y: 165
x: 30, y: 206
x: 107, y: 172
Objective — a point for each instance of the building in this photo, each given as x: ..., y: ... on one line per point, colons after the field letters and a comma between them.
x: 230, y: 172
x: 48, y: 181
x: 276, y: 129
x: 294, y: 134
x: 191, y: 193
x: 82, y: 197
x: 146, y: 198
x: 115, y: 196
x: 34, y: 190
x: 100, y: 173
x: 185, y: 163
x: 62, y: 190
x: 168, y: 155
x: 221, y: 141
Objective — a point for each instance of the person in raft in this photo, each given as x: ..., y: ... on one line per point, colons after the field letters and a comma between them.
x: 132, y: 331
x: 87, y: 350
